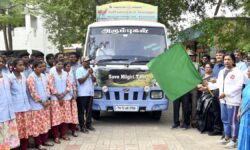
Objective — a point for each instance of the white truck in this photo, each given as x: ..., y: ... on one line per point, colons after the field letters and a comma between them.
x: 120, y: 50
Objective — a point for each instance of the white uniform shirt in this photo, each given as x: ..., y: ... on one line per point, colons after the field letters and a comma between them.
x: 242, y: 66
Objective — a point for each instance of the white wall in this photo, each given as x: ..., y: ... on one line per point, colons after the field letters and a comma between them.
x: 31, y: 37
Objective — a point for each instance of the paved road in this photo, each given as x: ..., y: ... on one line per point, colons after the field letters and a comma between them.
x: 137, y: 131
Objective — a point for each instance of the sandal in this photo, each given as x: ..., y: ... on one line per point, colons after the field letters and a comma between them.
x: 48, y: 144
x: 40, y: 147
x: 57, y: 141
x: 74, y: 134
x: 66, y: 138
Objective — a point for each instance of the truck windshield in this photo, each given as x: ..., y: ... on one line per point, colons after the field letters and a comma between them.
x: 112, y: 44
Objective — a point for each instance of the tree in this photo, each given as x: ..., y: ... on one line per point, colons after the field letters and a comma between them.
x: 11, y: 16
x: 67, y: 21
x: 221, y: 32
x: 226, y: 33
x: 247, y: 7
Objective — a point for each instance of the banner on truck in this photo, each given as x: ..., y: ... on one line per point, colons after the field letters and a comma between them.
x: 127, y: 11
x: 124, y: 78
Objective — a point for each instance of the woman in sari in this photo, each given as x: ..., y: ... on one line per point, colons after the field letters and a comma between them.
x: 204, y: 105
x: 244, y: 117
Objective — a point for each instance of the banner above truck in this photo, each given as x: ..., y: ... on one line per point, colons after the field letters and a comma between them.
x: 127, y: 11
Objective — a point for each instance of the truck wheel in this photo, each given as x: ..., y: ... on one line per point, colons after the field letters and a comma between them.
x: 156, y: 115
x: 96, y: 115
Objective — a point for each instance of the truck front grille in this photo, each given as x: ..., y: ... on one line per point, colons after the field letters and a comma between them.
x: 107, y: 96
x: 117, y: 96
x: 135, y: 96
x: 130, y: 95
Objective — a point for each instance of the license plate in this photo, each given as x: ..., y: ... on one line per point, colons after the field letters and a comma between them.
x: 126, y: 108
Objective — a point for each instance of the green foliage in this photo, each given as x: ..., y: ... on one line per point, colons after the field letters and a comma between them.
x: 247, y: 7
x: 226, y: 33
x: 11, y: 16
x: 67, y: 21
x: 12, y: 12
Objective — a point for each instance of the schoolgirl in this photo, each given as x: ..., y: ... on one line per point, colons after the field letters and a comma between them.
x: 44, y: 69
x: 39, y: 94
x: 8, y: 127
x: 72, y: 95
x: 60, y: 102
x: 21, y: 103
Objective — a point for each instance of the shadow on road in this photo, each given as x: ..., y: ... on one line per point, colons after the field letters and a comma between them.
x: 131, y: 118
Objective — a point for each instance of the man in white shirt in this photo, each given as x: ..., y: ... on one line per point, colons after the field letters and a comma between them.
x: 73, y: 59
x: 239, y: 63
x: 85, y: 93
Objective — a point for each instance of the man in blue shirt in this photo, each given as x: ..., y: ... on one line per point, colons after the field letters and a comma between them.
x: 219, y: 63
x: 85, y: 93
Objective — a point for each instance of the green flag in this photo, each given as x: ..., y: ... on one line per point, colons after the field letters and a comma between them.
x: 175, y: 72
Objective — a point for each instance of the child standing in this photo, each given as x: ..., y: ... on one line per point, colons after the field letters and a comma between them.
x: 39, y: 99
x: 21, y: 103
x: 44, y: 69
x: 60, y: 104
x: 74, y: 113
x: 8, y: 127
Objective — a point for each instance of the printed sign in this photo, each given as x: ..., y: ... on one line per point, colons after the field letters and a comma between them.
x: 127, y: 30
x: 124, y: 31
x: 127, y: 11
x: 124, y: 78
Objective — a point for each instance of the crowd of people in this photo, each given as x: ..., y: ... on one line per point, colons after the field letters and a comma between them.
x: 42, y: 100
x: 220, y: 105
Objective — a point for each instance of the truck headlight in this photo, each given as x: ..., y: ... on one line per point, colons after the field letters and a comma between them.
x: 156, y: 94
x: 146, y: 88
x: 105, y: 89
x: 98, y: 94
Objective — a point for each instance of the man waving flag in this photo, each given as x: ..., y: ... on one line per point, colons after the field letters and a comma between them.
x: 175, y: 72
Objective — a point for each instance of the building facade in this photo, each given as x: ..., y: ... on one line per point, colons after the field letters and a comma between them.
x: 31, y: 36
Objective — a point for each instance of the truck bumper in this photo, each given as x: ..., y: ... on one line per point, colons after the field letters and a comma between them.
x: 139, y: 105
